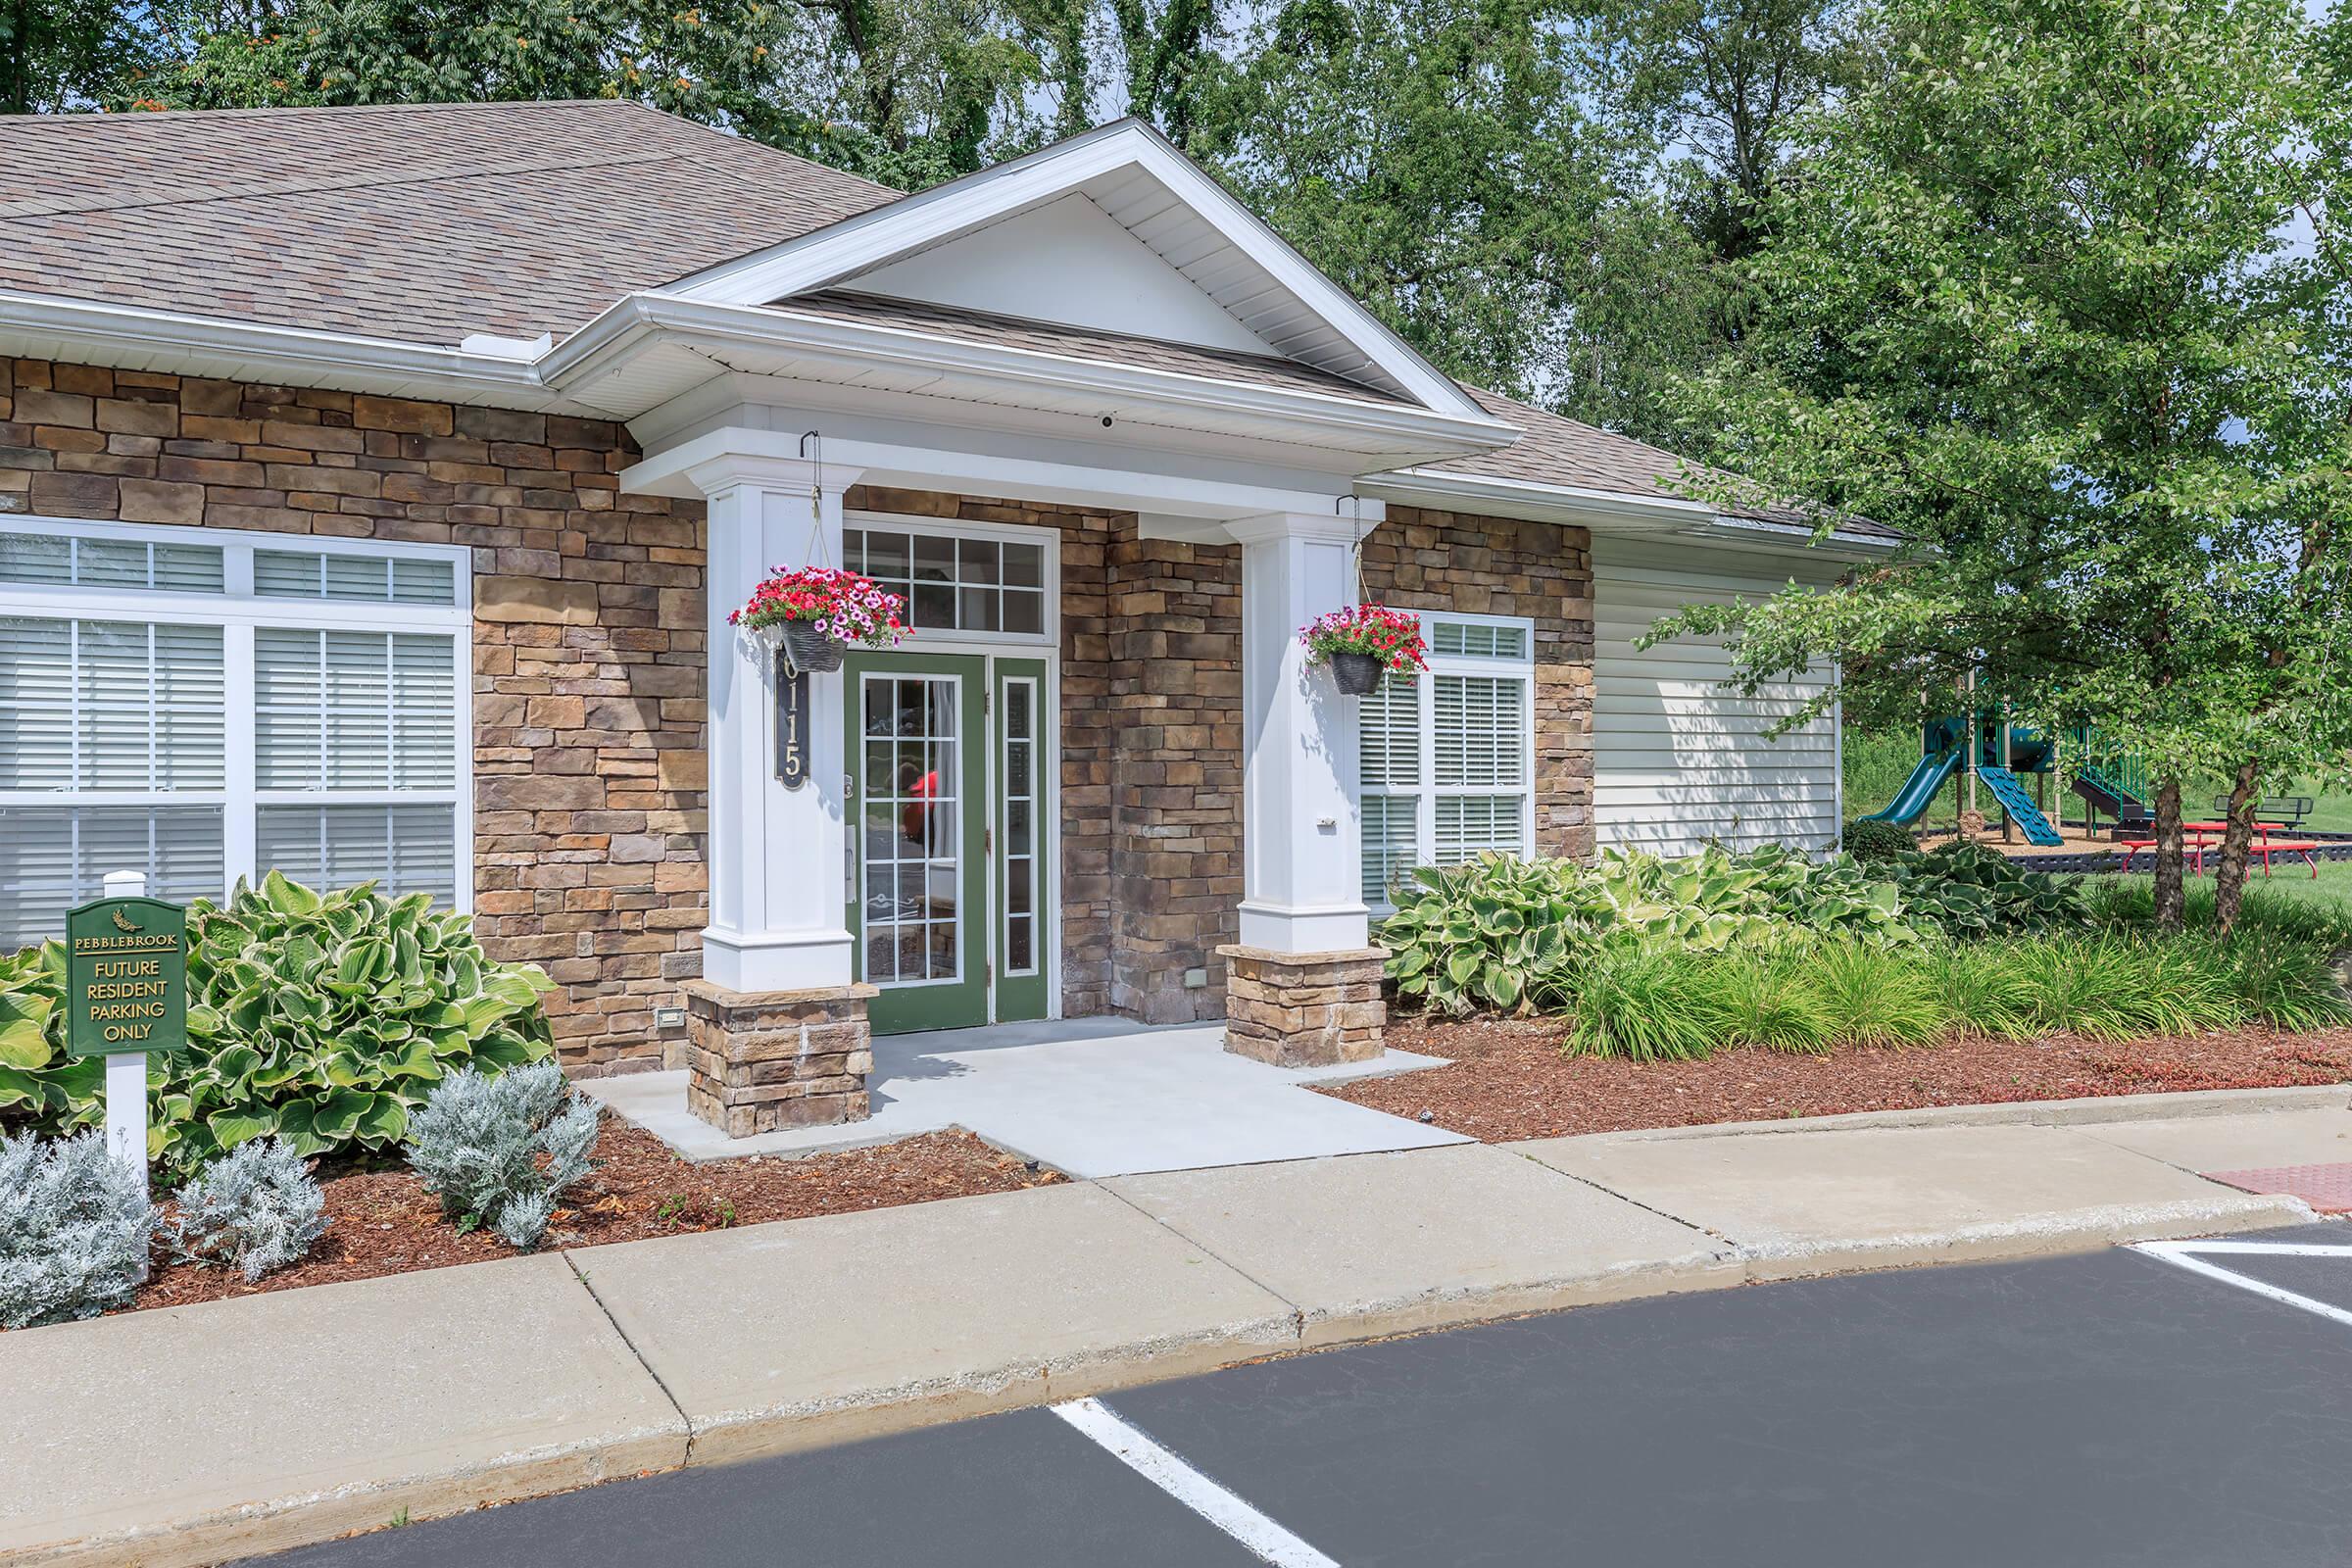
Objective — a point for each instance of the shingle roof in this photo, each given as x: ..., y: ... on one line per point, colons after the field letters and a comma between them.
x: 421, y: 222
x: 1087, y: 343
x: 1566, y: 452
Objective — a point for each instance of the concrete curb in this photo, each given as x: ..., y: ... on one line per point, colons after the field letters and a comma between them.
x: 2097, y: 1109
x: 1170, y: 1332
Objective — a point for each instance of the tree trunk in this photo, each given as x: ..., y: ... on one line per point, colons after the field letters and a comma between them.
x: 2229, y: 871
x: 2172, y: 897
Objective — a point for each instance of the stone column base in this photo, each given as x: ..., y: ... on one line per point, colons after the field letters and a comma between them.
x: 760, y: 1060
x: 1303, y: 1010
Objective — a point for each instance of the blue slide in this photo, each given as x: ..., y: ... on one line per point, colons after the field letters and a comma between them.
x: 1919, y: 790
x: 2019, y: 806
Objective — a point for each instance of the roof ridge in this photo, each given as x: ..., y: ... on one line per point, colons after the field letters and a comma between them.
x: 294, y: 186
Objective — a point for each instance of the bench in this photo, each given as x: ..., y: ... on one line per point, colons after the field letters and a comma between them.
x: 2263, y: 847
x: 2286, y: 810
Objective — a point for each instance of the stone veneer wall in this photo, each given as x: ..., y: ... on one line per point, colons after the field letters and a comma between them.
x: 588, y: 669
x: 1495, y: 567
x: 589, y: 769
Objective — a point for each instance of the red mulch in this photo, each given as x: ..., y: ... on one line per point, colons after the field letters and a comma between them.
x: 383, y: 1223
x: 1511, y: 1080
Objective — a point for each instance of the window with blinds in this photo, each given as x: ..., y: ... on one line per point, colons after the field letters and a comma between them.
x: 1445, y: 757
x: 158, y: 714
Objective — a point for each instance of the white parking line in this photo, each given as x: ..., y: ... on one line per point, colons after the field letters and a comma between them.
x: 2191, y: 1255
x: 1165, y: 1470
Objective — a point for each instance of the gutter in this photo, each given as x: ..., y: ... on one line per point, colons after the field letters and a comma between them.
x: 127, y: 336
x: 1611, y: 511
x: 1133, y: 392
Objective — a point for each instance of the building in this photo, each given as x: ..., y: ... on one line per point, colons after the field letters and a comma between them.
x: 374, y: 484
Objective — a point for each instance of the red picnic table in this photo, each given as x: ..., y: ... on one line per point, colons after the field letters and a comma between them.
x: 2207, y: 835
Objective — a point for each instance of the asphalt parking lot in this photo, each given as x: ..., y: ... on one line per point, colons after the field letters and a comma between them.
x: 2110, y: 1408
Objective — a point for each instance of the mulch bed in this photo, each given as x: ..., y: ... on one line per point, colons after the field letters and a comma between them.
x: 383, y: 1223
x: 1511, y: 1080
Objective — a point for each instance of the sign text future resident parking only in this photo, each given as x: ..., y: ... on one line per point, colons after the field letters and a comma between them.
x: 127, y: 977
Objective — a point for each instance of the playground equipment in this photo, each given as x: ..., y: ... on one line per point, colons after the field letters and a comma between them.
x: 1980, y: 745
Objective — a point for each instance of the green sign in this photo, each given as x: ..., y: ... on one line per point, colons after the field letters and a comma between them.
x: 127, y: 977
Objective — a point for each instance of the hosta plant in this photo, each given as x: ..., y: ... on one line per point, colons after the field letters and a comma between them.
x: 500, y: 1152
x: 256, y: 1208
x: 1968, y: 892
x: 324, y: 1019
x: 1503, y: 933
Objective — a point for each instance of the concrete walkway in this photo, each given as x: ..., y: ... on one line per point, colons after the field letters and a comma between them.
x: 193, y: 1433
x: 1088, y: 1097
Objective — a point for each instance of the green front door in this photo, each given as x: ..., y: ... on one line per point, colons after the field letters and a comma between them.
x: 1025, y: 952
x: 918, y: 907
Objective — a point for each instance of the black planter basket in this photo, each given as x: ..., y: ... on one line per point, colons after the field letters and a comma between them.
x: 1357, y: 674
x: 811, y: 650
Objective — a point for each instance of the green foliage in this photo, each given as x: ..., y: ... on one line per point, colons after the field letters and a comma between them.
x: 1663, y: 1003
x: 2068, y: 340
x: 1870, y: 999
x: 1639, y: 1002
x: 322, y: 1019
x: 1871, y: 840
x: 500, y: 1152
x: 2129, y: 903
x: 1500, y: 932
x: 75, y: 1229
x: 1967, y: 891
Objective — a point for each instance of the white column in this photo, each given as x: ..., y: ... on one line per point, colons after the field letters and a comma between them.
x: 775, y: 855
x: 1301, y: 821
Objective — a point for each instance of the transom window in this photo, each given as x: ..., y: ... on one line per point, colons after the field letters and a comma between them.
x: 170, y: 704
x: 1446, y: 760
x: 954, y: 582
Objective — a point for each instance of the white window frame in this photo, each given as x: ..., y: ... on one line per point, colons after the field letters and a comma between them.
x: 1426, y: 793
x: 239, y: 613
x: 942, y: 638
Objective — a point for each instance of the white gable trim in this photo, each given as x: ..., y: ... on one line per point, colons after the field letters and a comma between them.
x: 867, y: 241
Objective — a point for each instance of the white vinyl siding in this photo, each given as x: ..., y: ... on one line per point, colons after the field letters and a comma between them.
x: 1677, y: 759
x: 170, y: 704
x: 1445, y: 760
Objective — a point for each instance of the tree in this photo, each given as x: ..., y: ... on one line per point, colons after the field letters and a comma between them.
x: 65, y: 54
x: 1432, y: 158
x: 909, y: 92
x: 2035, y: 301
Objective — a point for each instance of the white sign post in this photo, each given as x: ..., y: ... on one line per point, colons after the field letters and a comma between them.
x: 126, y: 1070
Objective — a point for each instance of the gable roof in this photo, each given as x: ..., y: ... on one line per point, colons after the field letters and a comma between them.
x: 967, y: 325
x: 1167, y: 201
x: 1554, y: 449
x: 415, y: 222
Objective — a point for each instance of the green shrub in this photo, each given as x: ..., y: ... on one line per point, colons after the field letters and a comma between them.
x: 1869, y: 996
x: 2129, y: 903
x: 1639, y: 1003
x: 1500, y: 932
x: 1764, y: 999
x: 2283, y: 982
x: 322, y: 1019
x: 1869, y: 838
x: 1980, y: 991
x: 1968, y: 892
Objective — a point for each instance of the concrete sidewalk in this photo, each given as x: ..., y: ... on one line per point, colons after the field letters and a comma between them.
x: 192, y: 1434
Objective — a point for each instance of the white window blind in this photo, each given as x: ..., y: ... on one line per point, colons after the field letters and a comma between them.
x: 157, y: 714
x: 1445, y: 756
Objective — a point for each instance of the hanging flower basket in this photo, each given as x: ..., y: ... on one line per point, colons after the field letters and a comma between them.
x: 1363, y: 643
x: 815, y: 614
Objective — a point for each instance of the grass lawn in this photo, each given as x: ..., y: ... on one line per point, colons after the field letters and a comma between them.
x: 2293, y: 879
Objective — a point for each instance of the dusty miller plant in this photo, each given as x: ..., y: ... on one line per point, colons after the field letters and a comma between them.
x: 74, y: 1227
x: 254, y: 1209
x: 500, y: 1152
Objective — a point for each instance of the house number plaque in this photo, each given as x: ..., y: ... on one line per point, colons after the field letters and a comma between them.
x: 791, y: 724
